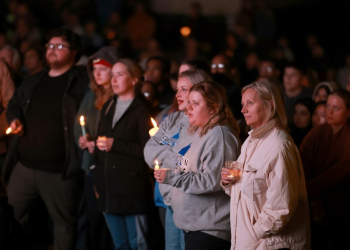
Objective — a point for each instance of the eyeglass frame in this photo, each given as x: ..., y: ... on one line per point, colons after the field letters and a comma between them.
x: 56, y: 45
x: 218, y: 66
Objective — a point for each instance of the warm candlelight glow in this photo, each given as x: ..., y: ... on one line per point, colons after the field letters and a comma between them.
x: 154, y: 122
x: 154, y: 130
x: 8, y: 131
x: 185, y: 31
x: 82, y: 122
x: 156, y: 166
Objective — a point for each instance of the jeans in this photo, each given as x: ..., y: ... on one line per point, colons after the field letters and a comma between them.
x: 174, y: 237
x: 128, y: 231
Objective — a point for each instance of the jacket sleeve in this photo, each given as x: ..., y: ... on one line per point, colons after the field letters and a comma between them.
x: 135, y: 149
x: 217, y: 149
x: 153, y: 149
x: 282, y: 193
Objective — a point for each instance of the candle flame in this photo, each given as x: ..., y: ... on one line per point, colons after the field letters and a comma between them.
x: 8, y: 131
x: 156, y: 166
x: 154, y: 122
x: 82, y: 122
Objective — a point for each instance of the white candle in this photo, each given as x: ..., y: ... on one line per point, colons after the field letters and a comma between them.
x: 154, y: 130
x: 82, y: 124
x: 156, y: 166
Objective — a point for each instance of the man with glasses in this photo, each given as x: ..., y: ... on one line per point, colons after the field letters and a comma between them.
x: 46, y: 161
x: 224, y: 71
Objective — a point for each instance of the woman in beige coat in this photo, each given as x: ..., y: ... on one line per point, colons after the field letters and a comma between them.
x: 269, y: 208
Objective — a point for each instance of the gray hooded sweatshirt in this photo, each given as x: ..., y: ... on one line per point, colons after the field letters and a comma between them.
x: 161, y: 144
x: 197, y: 199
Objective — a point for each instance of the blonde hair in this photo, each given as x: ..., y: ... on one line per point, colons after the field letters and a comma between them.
x: 215, y: 98
x: 195, y: 76
x: 269, y: 92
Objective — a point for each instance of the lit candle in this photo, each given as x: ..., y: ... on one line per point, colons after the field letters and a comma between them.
x: 82, y: 123
x: 154, y: 130
x: 8, y: 131
x: 156, y: 166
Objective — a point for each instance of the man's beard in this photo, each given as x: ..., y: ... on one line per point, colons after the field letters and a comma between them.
x: 56, y: 64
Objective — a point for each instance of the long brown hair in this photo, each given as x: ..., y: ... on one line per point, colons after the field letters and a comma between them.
x: 102, y: 94
x: 215, y: 98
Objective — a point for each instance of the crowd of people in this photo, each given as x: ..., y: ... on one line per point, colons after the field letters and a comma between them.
x: 81, y: 163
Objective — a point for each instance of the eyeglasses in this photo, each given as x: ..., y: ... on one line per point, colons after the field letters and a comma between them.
x: 147, y: 94
x: 219, y: 66
x: 56, y: 45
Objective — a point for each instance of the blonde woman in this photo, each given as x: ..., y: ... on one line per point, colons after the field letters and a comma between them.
x: 269, y: 208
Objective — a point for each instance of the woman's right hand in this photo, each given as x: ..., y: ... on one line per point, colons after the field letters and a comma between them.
x: 225, y: 180
x: 17, y: 127
x: 82, y: 142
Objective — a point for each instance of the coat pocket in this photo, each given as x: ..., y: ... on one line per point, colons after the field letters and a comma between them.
x: 250, y: 186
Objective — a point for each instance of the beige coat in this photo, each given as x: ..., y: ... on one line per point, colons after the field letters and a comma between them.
x: 269, y: 208
x: 7, y: 88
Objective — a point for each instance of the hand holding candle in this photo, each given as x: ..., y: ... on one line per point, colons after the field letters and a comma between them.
x: 82, y: 124
x: 159, y: 173
x: 154, y: 130
x: 16, y: 127
x: 231, y: 172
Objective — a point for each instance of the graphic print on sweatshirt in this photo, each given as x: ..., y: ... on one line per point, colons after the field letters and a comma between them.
x: 181, y: 160
x: 171, y: 141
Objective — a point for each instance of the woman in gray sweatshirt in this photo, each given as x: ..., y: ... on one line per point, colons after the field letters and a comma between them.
x: 200, y: 207
x: 162, y: 142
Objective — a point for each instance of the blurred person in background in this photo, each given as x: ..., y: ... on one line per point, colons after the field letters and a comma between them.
x: 322, y: 90
x: 319, y: 115
x: 224, y: 71
x: 302, y: 119
x: 344, y: 72
x: 249, y: 71
x: 99, y: 69
x: 157, y: 71
x: 150, y: 92
x: 34, y: 60
x: 11, y: 57
x: 293, y: 88
x: 325, y: 153
x: 141, y: 27
x: 43, y: 155
x: 269, y: 72
x: 7, y: 88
